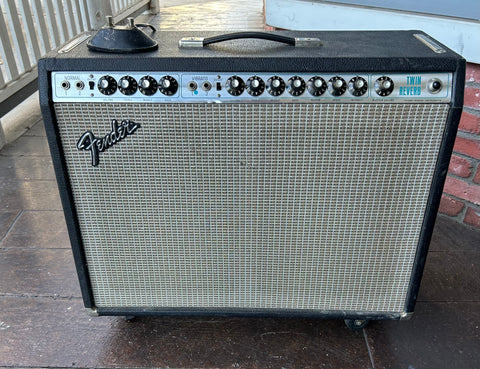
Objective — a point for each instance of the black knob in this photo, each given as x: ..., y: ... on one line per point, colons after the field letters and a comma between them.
x: 147, y: 85
x: 337, y: 86
x: 235, y: 85
x: 384, y: 86
x: 296, y: 86
x: 316, y: 86
x: 275, y: 86
x: 127, y: 85
x: 255, y: 86
x: 358, y: 86
x: 168, y: 85
x: 107, y: 85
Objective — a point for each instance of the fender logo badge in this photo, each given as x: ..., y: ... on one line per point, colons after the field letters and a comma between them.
x: 96, y: 145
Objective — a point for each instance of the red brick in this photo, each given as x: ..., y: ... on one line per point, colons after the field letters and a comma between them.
x: 472, y: 97
x: 450, y: 206
x: 476, y: 179
x: 472, y: 217
x: 462, y: 190
x: 473, y: 73
x: 460, y: 166
x: 467, y: 147
x: 470, y: 123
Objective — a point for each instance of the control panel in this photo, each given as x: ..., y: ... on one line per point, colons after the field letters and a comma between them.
x: 224, y: 87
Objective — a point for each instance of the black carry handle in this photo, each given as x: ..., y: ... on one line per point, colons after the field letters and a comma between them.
x: 194, y: 42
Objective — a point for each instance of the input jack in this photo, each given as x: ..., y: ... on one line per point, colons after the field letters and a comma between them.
x: 206, y: 86
x: 65, y: 85
x: 79, y: 85
x: 192, y: 85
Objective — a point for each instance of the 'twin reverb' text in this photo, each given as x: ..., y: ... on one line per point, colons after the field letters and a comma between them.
x: 406, y: 91
x: 96, y: 145
x: 416, y: 90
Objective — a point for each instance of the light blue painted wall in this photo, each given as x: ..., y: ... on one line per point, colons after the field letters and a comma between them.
x: 460, y: 34
x: 469, y: 9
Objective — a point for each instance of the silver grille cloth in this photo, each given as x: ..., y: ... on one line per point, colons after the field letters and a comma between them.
x: 283, y: 206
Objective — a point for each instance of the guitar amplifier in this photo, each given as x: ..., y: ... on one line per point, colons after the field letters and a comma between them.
x: 251, y: 177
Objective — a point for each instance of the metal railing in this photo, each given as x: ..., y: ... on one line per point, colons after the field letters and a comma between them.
x: 31, y: 28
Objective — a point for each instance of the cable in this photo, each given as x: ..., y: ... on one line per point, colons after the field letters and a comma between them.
x: 144, y: 25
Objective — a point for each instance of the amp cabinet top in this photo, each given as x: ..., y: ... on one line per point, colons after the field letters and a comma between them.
x: 367, y: 51
x: 371, y: 56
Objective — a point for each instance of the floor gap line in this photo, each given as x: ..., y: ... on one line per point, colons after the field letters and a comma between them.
x: 368, y: 348
x: 12, y: 225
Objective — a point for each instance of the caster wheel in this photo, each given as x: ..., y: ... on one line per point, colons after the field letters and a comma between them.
x: 356, y: 324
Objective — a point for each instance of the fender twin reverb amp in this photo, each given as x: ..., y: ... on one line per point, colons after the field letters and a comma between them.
x: 251, y: 177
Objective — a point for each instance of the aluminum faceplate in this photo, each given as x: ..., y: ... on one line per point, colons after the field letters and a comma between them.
x: 212, y: 87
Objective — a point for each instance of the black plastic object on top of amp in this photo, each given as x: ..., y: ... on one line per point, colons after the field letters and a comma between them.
x: 122, y: 39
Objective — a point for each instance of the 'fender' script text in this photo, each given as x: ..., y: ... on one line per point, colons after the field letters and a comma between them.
x: 96, y: 145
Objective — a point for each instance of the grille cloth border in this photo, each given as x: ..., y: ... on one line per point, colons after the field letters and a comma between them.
x: 287, y: 206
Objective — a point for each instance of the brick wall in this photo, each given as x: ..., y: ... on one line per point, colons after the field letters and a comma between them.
x: 461, y: 194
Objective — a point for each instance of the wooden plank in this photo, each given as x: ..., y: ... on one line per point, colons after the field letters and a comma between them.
x: 18, y: 38
x: 463, y: 277
x: 2, y: 80
x: 53, y: 22
x: 17, y: 90
x: 61, y: 12
x: 85, y: 16
x: 42, y: 25
x: 9, y: 59
x: 38, y: 272
x: 76, y: 15
x: 132, y: 10
x: 69, y: 8
x: 33, y: 168
x: 31, y: 195
x: 48, y: 332
x: 98, y: 11
x: 7, y: 218
x: 440, y: 335
x: 44, y: 229
x: 30, y: 28
x: 115, y: 6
